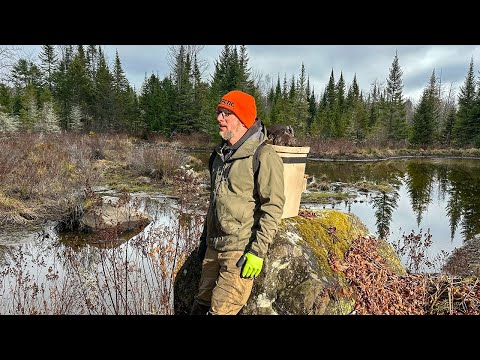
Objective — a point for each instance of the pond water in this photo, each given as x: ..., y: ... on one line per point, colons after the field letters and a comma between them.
x: 437, y: 198
x: 47, y: 272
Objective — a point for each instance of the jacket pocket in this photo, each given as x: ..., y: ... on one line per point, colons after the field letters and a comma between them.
x: 230, y: 212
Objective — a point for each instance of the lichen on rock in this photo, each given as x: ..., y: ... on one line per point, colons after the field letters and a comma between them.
x: 297, y: 277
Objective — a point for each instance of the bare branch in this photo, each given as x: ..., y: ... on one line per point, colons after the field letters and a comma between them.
x: 191, y: 50
x: 8, y: 57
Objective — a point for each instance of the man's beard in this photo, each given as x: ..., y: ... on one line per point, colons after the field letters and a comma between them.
x: 227, y: 135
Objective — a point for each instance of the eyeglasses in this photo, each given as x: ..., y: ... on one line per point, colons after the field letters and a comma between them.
x: 225, y: 113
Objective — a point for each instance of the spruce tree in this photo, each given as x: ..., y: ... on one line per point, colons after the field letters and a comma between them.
x: 49, y: 63
x: 104, y: 99
x: 395, y: 117
x: 425, y: 116
x: 464, y: 129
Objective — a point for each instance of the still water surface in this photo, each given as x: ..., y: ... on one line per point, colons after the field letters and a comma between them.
x: 43, y: 271
x: 438, y: 196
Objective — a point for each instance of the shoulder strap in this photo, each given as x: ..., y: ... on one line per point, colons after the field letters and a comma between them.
x: 256, y: 154
x: 210, y: 161
x: 255, y: 161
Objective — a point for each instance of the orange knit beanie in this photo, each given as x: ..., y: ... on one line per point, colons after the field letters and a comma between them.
x: 242, y: 105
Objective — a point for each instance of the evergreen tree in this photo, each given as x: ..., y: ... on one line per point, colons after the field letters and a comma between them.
x: 47, y: 121
x: 339, y: 118
x: 219, y: 85
x: 276, y: 104
x: 104, y: 97
x: 449, y: 126
x: 326, y: 114
x: 464, y: 129
x: 157, y: 105
x: 119, y: 80
x: 300, y: 104
x: 26, y: 73
x: 244, y: 77
x: 49, y: 64
x: 423, y: 121
x: 353, y: 92
x: 201, y: 110
x: 312, y: 109
x: 185, y: 107
x: 373, y: 106
x: 76, y: 118
x: 91, y: 60
x: 395, y: 119
x: 79, y: 85
x: 29, y: 110
x: 123, y: 100
x: 6, y: 98
x: 425, y: 115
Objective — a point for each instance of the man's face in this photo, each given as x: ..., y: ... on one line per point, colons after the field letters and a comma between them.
x: 230, y: 127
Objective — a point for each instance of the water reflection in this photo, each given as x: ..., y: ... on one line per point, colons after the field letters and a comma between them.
x: 384, y: 204
x: 438, y: 195
x: 56, y: 273
x: 46, y: 272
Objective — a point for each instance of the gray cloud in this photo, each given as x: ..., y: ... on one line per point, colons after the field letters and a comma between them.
x: 370, y: 63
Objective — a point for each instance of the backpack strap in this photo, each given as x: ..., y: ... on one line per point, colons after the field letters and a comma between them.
x: 255, y: 161
x: 256, y: 154
x: 210, y: 161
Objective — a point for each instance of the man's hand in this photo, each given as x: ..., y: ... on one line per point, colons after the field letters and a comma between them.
x: 252, y: 267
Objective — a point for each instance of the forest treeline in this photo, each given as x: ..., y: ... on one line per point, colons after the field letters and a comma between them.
x: 74, y: 88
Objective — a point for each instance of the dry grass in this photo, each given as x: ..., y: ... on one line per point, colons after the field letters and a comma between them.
x: 382, y: 292
x: 374, y: 149
x: 46, y: 175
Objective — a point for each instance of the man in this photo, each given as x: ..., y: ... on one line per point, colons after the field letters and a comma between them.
x: 244, y: 210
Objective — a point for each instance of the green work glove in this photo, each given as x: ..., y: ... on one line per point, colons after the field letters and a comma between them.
x: 253, y: 266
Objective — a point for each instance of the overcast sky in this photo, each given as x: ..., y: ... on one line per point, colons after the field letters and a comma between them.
x: 370, y: 63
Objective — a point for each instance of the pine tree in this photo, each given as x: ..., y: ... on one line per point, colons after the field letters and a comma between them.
x: 327, y: 116
x: 353, y: 92
x: 79, y: 85
x: 91, y: 60
x: 201, y: 111
x: 424, y: 119
x: 121, y: 89
x: 49, y: 64
x: 104, y: 96
x: 300, y: 104
x: 244, y: 80
x: 339, y: 118
x: 276, y: 104
x: 26, y: 73
x: 312, y: 109
x: 449, y: 126
x: 395, y: 119
x: 6, y: 98
x: 464, y: 129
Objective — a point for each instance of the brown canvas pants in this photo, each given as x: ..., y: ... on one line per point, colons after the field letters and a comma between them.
x: 221, y: 287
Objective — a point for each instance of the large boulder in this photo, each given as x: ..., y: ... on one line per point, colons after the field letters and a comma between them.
x: 297, y: 276
x: 113, y: 212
